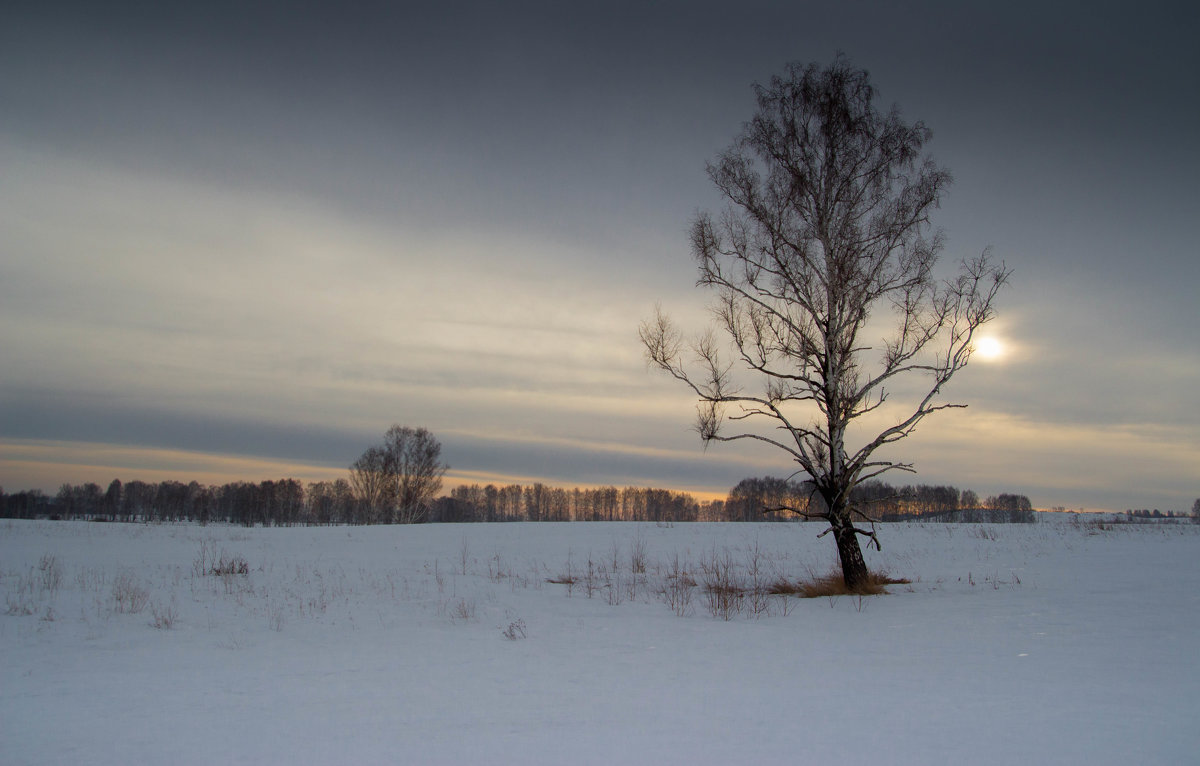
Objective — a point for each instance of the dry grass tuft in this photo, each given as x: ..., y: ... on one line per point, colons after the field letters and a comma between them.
x: 832, y: 584
x: 515, y: 630
x: 128, y: 597
x: 235, y: 565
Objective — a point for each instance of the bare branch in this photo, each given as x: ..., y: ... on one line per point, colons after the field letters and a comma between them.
x: 871, y: 534
x: 797, y: 511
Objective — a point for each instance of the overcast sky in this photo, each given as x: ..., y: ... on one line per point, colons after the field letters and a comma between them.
x: 239, y: 240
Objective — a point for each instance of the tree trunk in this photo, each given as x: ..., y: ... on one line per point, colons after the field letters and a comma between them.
x: 854, y: 568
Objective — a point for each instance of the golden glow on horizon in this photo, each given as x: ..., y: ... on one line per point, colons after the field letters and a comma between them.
x: 47, y: 464
x: 464, y: 478
x: 1034, y: 457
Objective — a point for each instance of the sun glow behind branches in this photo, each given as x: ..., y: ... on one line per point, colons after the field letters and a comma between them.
x: 990, y: 349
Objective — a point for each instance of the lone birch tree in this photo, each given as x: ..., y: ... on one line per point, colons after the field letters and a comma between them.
x: 397, y: 482
x: 826, y: 228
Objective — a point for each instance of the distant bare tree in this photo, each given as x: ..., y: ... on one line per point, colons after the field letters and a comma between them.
x: 112, y: 499
x: 827, y: 228
x: 369, y: 478
x: 1196, y: 511
x: 416, y: 470
x: 397, y: 481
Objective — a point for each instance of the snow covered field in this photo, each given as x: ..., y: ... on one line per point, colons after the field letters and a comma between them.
x: 1046, y: 643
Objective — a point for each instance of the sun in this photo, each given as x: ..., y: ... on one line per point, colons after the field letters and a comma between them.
x: 989, y: 349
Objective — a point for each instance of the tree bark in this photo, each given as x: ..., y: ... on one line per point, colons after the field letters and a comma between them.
x: 854, y: 567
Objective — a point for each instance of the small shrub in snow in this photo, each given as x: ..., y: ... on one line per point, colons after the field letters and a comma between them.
x: 91, y: 579
x: 615, y: 593
x: 200, y: 565
x: 677, y: 587
x: 591, y: 579
x: 275, y: 617
x: 464, y: 610
x: 983, y: 533
x: 757, y: 598
x: 207, y: 563
x: 515, y: 630
x: 566, y: 577
x: 497, y: 569
x: 637, y: 556
x: 464, y: 556
x: 49, y: 573
x: 19, y: 607
x: 724, y: 591
x: 234, y: 565
x: 164, y: 616
x: 632, y: 584
x: 615, y: 556
x: 20, y: 600
x: 127, y: 595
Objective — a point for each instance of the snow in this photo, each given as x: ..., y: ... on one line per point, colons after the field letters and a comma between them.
x: 1058, y: 642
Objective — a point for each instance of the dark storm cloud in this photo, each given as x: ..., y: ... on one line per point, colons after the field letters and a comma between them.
x: 78, y: 416
x: 395, y: 110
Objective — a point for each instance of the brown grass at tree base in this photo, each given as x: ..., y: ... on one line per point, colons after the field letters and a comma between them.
x: 833, y: 584
x: 723, y: 583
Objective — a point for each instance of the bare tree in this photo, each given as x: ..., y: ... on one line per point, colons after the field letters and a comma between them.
x: 397, y: 481
x: 371, y: 486
x: 827, y: 227
x: 416, y: 471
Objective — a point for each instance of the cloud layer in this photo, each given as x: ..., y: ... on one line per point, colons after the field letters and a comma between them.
x: 239, y: 236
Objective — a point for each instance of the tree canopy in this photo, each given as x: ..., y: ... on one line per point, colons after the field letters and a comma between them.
x: 827, y: 227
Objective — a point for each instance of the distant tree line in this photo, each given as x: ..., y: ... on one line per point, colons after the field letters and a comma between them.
x: 1143, y: 514
x: 397, y: 481
x: 878, y: 500
x: 288, y: 502
x: 537, y: 502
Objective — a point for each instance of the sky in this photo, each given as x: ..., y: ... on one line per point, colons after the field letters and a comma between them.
x: 241, y: 240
